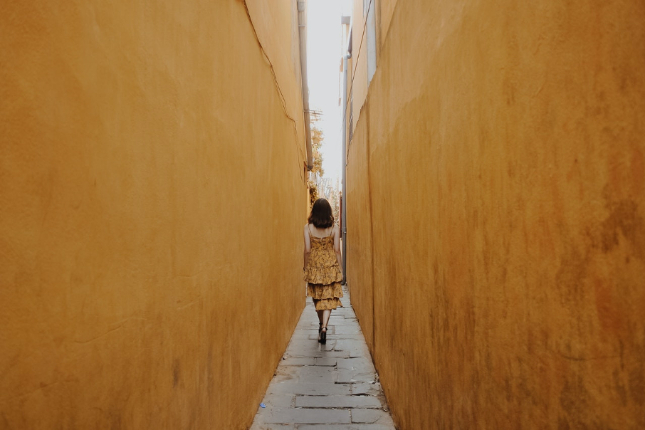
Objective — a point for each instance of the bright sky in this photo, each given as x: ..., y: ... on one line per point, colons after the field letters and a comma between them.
x: 323, y: 66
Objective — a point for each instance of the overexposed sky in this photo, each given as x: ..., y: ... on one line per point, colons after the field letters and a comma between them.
x: 323, y: 66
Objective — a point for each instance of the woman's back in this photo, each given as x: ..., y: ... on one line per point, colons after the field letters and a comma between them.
x: 322, y: 244
x: 322, y: 267
x: 320, y: 232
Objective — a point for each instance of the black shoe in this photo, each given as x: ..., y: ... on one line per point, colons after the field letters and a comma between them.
x: 323, y: 335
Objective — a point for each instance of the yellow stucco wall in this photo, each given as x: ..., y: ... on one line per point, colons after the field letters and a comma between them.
x: 359, y: 238
x: 276, y: 26
x: 151, y: 206
x: 385, y: 9
x: 501, y: 147
x: 358, y: 68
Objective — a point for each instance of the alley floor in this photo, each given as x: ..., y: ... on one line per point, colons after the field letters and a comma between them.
x: 332, y: 386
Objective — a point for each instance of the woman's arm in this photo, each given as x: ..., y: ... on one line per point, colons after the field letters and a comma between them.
x: 339, y: 257
x: 307, y: 247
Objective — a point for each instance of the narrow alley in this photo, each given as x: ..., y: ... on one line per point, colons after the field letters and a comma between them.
x: 159, y: 160
x: 332, y: 386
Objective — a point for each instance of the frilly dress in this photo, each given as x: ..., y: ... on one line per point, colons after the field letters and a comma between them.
x: 323, y: 275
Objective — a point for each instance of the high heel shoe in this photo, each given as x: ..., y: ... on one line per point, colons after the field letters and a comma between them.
x: 323, y: 335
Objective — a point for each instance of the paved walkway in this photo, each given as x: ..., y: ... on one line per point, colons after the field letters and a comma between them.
x: 332, y: 386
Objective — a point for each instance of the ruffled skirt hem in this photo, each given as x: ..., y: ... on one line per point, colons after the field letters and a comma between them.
x: 327, y: 304
x: 325, y: 296
x: 324, y: 276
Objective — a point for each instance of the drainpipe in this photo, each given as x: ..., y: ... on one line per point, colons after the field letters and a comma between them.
x: 302, y: 29
x: 343, y: 215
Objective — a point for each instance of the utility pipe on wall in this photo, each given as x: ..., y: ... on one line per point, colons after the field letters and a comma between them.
x: 302, y: 30
x: 343, y: 215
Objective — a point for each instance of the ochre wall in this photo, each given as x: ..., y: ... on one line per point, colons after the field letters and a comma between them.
x: 385, y: 10
x: 359, y: 235
x: 151, y: 204
x: 501, y: 149
x: 276, y: 26
x: 358, y: 67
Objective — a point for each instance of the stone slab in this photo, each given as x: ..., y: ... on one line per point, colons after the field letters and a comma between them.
x: 326, y: 361
x: 346, y: 427
x: 316, y: 354
x: 257, y: 425
x: 309, y: 389
x: 348, y: 329
x: 306, y: 416
x: 367, y: 388
x: 337, y: 402
x: 279, y: 400
x: 298, y: 361
x: 371, y: 416
x: 350, y: 377
x: 358, y: 364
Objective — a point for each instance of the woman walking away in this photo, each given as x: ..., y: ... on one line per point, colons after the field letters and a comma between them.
x: 322, y: 263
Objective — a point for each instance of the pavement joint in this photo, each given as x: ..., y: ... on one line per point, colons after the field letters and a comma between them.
x: 332, y: 386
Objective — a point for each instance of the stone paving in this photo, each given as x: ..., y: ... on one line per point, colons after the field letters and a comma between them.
x: 332, y: 386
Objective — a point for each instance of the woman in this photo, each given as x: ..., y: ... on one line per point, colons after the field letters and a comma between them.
x: 322, y: 263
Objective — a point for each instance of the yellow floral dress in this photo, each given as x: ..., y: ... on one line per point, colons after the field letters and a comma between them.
x: 323, y: 275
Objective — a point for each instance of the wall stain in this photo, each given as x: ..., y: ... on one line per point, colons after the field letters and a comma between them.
x: 624, y: 220
x: 175, y: 373
x: 574, y: 399
x: 619, y: 387
x: 563, y: 424
x: 637, y: 385
x: 115, y: 417
x: 571, y: 275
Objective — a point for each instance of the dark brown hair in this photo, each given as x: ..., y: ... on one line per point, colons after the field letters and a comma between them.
x: 321, y: 216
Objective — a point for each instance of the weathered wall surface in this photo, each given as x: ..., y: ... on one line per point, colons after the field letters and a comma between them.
x: 151, y: 203
x: 501, y: 147
x: 358, y: 67
x: 359, y: 244
x: 276, y: 26
x: 385, y: 10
